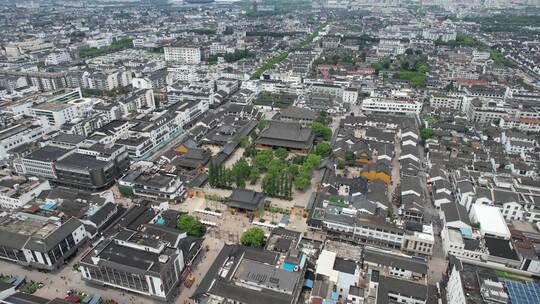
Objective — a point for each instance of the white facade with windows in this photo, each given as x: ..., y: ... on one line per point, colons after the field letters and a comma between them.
x: 350, y: 96
x: 55, y: 114
x: 57, y: 58
x: 512, y: 211
x: 187, y: 55
x: 454, y: 289
x: 17, y: 135
x: 99, y: 42
x: 453, y: 244
x: 13, y: 198
x: 443, y: 101
x: 391, y: 105
x: 522, y: 124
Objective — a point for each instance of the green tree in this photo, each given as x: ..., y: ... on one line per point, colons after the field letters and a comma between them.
x: 313, y: 161
x: 426, y: 133
x: 250, y: 151
x: 241, y: 171
x: 323, y: 118
x: 405, y: 65
x: 254, y: 175
x: 349, y: 155
x: 237, y: 55
x: 321, y: 131
x: 301, y: 182
x: 191, y: 225
x: 117, y: 45
x: 126, y: 191
x: 305, y: 171
x: 293, y: 169
x: 390, y: 212
x: 299, y: 159
x: 262, y: 159
x: 244, y: 141
x: 275, y: 165
x: 227, y: 177
x: 262, y: 124
x: 213, y: 172
x: 281, y: 153
x: 323, y: 149
x: 268, y: 184
x: 253, y: 237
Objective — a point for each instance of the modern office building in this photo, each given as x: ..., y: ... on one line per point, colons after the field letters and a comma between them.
x: 92, y: 169
x: 42, y: 162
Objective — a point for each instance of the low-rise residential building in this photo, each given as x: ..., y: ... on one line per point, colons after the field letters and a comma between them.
x: 444, y: 101
x: 16, y: 191
x: 241, y: 274
x: 154, y: 185
x: 148, y: 261
x: 300, y: 115
x: 395, y: 264
x: 38, y: 241
x: 18, y: 134
x: 391, y: 105
x: 183, y: 54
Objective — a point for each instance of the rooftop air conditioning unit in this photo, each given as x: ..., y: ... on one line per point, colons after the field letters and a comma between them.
x: 163, y: 258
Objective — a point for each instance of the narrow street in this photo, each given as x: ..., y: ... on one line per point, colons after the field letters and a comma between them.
x: 437, y: 263
x: 396, y: 174
x: 200, y: 267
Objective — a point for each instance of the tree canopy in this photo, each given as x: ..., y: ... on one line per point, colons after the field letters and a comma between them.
x: 323, y: 149
x: 426, y: 133
x: 321, y: 131
x: 281, y: 153
x: 253, y: 237
x: 191, y: 225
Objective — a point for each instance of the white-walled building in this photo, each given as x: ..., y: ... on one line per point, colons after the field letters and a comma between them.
x: 16, y: 192
x: 99, y: 43
x: 453, y: 243
x: 342, y: 273
x: 522, y: 124
x: 350, y: 95
x: 391, y: 105
x: 437, y: 101
x: 152, y: 258
x: 58, y: 58
x: 17, y: 135
x: 491, y: 221
x: 183, y: 54
x: 38, y: 241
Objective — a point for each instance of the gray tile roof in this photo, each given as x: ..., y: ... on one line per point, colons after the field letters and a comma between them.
x: 245, y: 199
x: 455, y: 212
x: 287, y: 135
x: 392, y: 260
